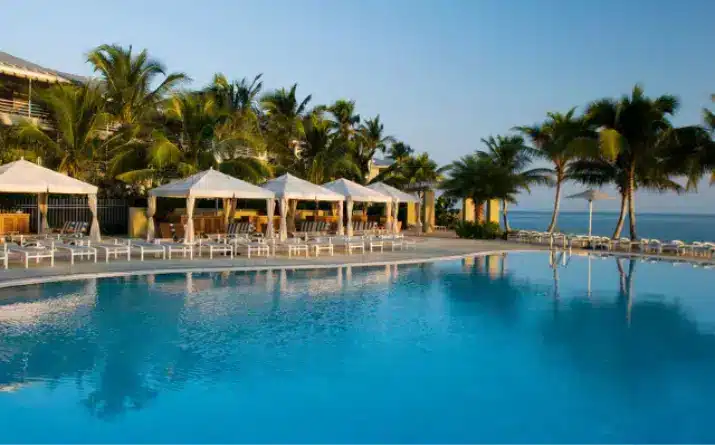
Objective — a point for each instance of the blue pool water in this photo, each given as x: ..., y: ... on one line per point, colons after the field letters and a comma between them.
x: 497, y: 349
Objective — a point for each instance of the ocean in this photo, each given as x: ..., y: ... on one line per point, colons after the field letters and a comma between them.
x: 663, y: 226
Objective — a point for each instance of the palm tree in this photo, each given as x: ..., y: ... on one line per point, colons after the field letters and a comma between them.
x: 601, y: 170
x: 129, y: 80
x: 633, y: 128
x: 345, y: 121
x: 480, y: 179
x: 371, y: 138
x: 186, y: 144
x: 235, y: 96
x: 252, y: 170
x: 399, y: 151
x: 77, y: 141
x: 238, y: 126
x: 322, y: 159
x: 284, y: 122
x: 556, y: 140
x: 510, y: 153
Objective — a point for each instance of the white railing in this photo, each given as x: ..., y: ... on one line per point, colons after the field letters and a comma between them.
x: 22, y: 109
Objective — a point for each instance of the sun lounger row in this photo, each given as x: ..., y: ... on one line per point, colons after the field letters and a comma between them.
x: 83, y: 249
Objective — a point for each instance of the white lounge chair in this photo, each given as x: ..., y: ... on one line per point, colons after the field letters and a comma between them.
x: 293, y: 246
x: 252, y: 247
x: 177, y: 247
x: 145, y: 247
x: 4, y: 254
x: 320, y: 244
x: 215, y: 247
x: 350, y: 243
x: 392, y: 241
x: 375, y: 242
x: 35, y: 251
x: 81, y: 249
x: 116, y: 248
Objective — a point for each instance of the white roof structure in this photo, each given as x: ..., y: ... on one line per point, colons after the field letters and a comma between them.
x: 290, y: 187
x: 211, y: 184
x: 27, y: 177
x: 356, y: 191
x: 591, y: 195
x: 394, y: 193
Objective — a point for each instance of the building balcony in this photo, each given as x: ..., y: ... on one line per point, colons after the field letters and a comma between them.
x: 13, y: 111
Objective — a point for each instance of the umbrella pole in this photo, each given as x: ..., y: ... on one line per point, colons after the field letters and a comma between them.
x: 590, y: 216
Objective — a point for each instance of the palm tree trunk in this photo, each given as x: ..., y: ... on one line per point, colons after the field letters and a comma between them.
x: 506, y: 217
x: 557, y: 201
x: 621, y: 216
x: 632, y: 204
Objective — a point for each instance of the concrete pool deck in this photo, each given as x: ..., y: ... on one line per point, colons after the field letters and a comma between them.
x: 426, y: 249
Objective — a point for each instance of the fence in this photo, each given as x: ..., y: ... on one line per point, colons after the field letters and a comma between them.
x: 113, y: 214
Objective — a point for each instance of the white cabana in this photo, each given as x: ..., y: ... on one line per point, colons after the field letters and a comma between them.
x: 209, y: 184
x: 397, y: 196
x: 289, y: 187
x: 355, y: 192
x: 27, y: 177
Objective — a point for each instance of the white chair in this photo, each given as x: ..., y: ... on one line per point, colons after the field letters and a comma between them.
x: 677, y: 247
x: 35, y: 251
x: 214, y: 247
x: 145, y: 247
x: 258, y: 248
x: 351, y: 243
x: 4, y: 255
x: 375, y: 242
x: 320, y: 244
x: 177, y: 247
x: 392, y: 241
x: 82, y: 250
x: 116, y: 248
x: 293, y: 246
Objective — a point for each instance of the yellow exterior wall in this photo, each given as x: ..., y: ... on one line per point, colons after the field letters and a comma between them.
x: 411, y: 214
x: 136, y: 228
x: 493, y: 211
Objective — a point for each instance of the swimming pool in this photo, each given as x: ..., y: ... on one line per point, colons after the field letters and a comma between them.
x: 526, y: 347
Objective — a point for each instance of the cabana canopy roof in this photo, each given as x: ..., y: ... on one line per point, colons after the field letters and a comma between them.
x: 290, y: 187
x: 27, y: 177
x: 396, y: 194
x: 211, y: 184
x: 356, y: 191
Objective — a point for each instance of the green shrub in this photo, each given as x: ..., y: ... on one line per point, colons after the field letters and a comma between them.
x: 475, y: 230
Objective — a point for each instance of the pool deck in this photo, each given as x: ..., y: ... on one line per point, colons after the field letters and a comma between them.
x: 438, y: 247
x: 426, y: 249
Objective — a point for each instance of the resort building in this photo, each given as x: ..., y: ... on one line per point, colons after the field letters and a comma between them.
x: 18, y: 79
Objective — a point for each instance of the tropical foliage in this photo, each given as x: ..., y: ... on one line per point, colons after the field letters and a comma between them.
x: 138, y: 125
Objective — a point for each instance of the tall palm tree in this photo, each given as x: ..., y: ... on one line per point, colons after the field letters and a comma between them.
x: 399, y: 151
x: 344, y: 119
x: 633, y: 128
x: 185, y: 145
x: 236, y: 96
x: 601, y: 170
x: 479, y: 179
x: 557, y: 140
x: 370, y: 138
x: 284, y: 122
x: 510, y: 153
x: 77, y: 140
x: 132, y: 91
x: 322, y: 159
x: 239, y: 120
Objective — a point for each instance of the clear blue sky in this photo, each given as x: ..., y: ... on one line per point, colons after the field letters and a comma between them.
x: 441, y: 73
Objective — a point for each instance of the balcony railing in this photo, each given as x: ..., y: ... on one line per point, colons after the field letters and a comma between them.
x: 24, y: 109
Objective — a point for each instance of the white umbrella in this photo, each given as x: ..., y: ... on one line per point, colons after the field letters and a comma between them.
x: 590, y: 195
